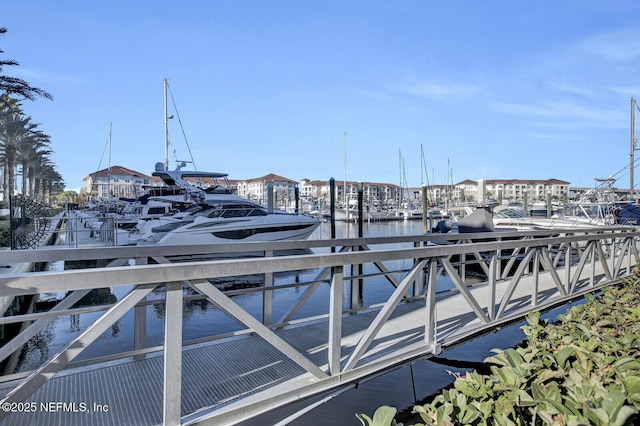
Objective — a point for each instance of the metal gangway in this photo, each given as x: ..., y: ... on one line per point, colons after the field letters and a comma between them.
x: 278, y: 356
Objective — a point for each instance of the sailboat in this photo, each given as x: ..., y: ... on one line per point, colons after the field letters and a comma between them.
x: 407, y: 208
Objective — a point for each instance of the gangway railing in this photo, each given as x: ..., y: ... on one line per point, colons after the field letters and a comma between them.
x: 75, y: 231
x: 521, y: 272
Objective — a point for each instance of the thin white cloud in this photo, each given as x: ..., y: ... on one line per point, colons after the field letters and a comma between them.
x: 616, y: 46
x: 560, y: 111
x: 585, y: 70
x: 430, y: 90
x: 573, y: 89
x: 626, y: 91
x: 553, y: 136
x: 374, y: 94
x: 39, y: 76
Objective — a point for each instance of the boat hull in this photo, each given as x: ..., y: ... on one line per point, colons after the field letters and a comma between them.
x: 225, y: 230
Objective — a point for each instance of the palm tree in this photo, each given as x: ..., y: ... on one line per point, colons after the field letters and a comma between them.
x: 32, y: 148
x: 9, y: 109
x: 37, y: 165
x: 42, y: 173
x: 46, y: 180
x: 52, y: 183
x: 16, y: 86
x: 22, y: 143
x: 12, y: 127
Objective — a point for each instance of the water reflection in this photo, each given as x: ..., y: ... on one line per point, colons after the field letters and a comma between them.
x: 99, y: 296
x: 61, y: 330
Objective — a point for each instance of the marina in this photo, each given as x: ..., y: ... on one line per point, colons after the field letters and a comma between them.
x: 135, y: 293
x: 240, y: 338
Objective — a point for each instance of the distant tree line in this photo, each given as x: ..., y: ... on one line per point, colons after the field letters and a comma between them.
x: 25, y: 150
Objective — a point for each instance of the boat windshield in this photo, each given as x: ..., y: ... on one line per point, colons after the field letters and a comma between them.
x: 507, y: 213
x: 193, y: 209
x: 236, y: 210
x: 586, y: 211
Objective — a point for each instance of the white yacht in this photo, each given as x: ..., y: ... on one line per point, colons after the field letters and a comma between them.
x: 236, y: 220
x: 506, y: 217
x: 145, y: 228
x: 224, y: 217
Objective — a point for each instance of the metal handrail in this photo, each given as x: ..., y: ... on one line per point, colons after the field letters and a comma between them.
x: 606, y: 248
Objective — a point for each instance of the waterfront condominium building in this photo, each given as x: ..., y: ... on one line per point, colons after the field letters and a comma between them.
x: 118, y: 181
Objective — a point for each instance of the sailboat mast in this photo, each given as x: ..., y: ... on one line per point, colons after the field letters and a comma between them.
x: 450, y: 196
x: 400, y: 177
x: 423, y: 168
x: 421, y: 165
x: 166, y: 129
x: 633, y: 149
x: 346, y: 204
x: 109, y: 169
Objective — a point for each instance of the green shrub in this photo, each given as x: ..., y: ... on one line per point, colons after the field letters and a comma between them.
x: 5, y: 233
x: 582, y: 370
x: 384, y: 416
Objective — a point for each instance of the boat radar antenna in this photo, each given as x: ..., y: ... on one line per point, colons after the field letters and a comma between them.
x: 180, y: 164
x: 183, y: 163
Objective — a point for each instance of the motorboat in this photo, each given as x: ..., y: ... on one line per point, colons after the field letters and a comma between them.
x: 147, y: 227
x: 591, y: 213
x: 542, y: 209
x: 628, y: 215
x: 504, y: 216
x: 134, y: 214
x: 237, y: 220
x: 224, y: 217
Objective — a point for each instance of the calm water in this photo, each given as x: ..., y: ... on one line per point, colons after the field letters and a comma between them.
x: 399, y: 388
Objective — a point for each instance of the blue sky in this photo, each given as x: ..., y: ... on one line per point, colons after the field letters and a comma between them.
x: 489, y: 89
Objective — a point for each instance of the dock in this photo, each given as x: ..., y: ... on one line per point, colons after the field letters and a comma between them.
x: 278, y: 355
